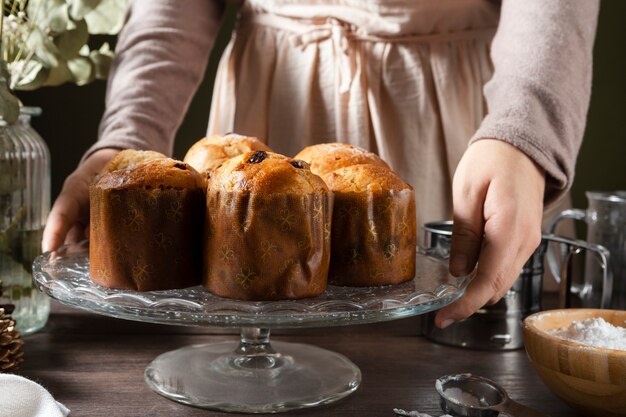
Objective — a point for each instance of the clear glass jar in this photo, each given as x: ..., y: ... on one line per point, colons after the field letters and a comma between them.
x: 24, y: 207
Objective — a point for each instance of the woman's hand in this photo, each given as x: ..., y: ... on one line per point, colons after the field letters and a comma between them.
x: 498, y: 204
x: 69, y: 218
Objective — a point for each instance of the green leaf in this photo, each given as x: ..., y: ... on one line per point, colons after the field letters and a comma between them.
x: 44, y: 48
x: 30, y: 249
x: 49, y: 15
x: 58, y: 75
x: 9, y: 105
x: 18, y: 249
x: 80, y: 8
x: 69, y: 43
x: 82, y: 70
x: 13, y: 178
x: 31, y: 74
x: 102, y: 60
x: 25, y: 72
x: 84, y: 51
x: 105, y: 49
x: 71, y: 25
x: 107, y: 18
x: 10, y: 270
x: 10, y: 234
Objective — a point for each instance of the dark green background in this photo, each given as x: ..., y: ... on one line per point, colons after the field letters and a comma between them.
x: 71, y: 114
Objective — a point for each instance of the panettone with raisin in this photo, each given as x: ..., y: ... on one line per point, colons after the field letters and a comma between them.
x: 373, y: 227
x: 328, y: 157
x: 210, y: 152
x: 146, y: 224
x: 267, y: 229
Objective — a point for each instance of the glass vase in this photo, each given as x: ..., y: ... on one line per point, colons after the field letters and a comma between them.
x: 24, y: 207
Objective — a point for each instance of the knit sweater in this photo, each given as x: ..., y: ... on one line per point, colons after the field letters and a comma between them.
x: 537, y: 98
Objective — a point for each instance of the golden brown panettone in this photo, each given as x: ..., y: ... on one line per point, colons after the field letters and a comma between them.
x: 328, y: 157
x: 373, y: 228
x: 146, y: 226
x: 208, y: 153
x: 128, y: 158
x: 365, y: 178
x: 267, y: 229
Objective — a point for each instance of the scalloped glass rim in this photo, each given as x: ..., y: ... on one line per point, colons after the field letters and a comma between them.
x: 64, y: 275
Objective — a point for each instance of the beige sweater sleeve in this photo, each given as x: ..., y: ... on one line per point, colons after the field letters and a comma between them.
x: 161, y: 56
x: 538, y: 97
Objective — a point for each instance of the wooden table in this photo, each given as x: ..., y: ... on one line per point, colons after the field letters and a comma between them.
x: 94, y: 365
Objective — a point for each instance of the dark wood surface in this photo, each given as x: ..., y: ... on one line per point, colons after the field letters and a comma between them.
x: 94, y: 365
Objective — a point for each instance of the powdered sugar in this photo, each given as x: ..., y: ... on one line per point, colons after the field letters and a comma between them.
x: 400, y: 412
x: 594, y: 332
x: 458, y: 396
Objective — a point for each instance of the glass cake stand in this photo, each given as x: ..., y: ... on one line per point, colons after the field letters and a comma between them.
x: 253, y: 376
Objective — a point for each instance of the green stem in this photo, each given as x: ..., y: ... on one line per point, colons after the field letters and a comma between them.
x: 2, y: 32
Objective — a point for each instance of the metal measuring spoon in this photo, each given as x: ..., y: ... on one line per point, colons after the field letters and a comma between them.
x: 474, y: 396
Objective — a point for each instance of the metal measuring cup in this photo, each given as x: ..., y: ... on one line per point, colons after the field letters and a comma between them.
x: 468, y: 395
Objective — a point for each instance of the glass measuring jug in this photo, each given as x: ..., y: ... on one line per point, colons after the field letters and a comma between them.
x: 605, y: 217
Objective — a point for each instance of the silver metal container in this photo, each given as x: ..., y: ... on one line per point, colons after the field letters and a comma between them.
x: 499, y: 326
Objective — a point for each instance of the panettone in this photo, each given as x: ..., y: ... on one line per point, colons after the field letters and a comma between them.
x: 210, y: 152
x: 267, y: 229
x: 146, y: 225
x: 328, y: 157
x: 129, y: 158
x: 373, y: 227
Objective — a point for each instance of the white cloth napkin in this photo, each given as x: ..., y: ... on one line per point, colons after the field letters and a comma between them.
x: 21, y: 397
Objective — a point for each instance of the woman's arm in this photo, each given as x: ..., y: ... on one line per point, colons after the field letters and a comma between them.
x: 524, y: 152
x: 538, y: 97
x: 161, y: 56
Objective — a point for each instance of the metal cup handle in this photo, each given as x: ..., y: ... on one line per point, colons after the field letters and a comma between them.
x: 569, y: 248
x: 555, y: 267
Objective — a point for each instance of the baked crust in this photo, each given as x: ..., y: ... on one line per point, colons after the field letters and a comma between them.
x: 146, y: 227
x: 129, y: 158
x: 267, y: 229
x: 210, y: 152
x: 328, y: 157
x: 373, y: 238
x: 152, y: 174
x: 365, y: 177
x: 266, y: 172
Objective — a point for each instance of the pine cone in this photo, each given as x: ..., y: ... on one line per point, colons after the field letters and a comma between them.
x: 11, y: 354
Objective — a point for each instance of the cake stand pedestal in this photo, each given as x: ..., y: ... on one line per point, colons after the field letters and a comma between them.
x: 254, y: 376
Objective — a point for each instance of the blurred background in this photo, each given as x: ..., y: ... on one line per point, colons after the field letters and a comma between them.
x: 71, y: 114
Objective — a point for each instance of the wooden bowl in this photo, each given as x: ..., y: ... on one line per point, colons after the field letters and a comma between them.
x: 590, y: 379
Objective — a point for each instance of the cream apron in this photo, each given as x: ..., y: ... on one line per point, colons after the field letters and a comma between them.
x: 402, y: 78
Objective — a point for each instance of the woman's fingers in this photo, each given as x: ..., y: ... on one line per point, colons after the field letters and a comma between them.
x: 69, y: 216
x: 503, y: 254
x: 498, y: 201
x: 70, y: 208
x: 76, y: 234
x: 467, y: 228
